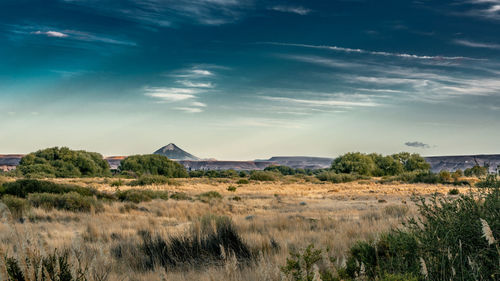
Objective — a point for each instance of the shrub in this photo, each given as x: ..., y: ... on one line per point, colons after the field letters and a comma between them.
x: 154, y: 165
x: 306, y: 266
x: 263, y: 176
x: 68, y: 201
x: 231, y: 188
x: 150, y: 180
x: 21, y: 188
x: 455, y: 239
x: 63, y: 163
x: 137, y: 196
x: 491, y: 181
x: 180, y: 196
x: 243, y: 181
x: 209, y: 196
x: 116, y: 183
x: 453, y: 191
x: 476, y: 171
x: 207, y: 243
x: 18, y: 206
x: 338, y: 178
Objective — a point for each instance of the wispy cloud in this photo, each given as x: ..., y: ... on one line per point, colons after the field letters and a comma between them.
x: 376, y: 53
x: 171, y: 94
x: 327, y: 103
x: 477, y: 44
x: 291, y: 9
x: 69, y: 36
x: 167, y: 13
x: 417, y: 144
x: 321, y: 61
x: 51, y: 33
x: 192, y: 84
x: 190, y: 109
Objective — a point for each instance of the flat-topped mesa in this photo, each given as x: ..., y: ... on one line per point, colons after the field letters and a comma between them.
x: 173, y: 152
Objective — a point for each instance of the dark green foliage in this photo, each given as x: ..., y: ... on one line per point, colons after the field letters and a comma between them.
x: 116, y: 183
x: 63, y: 163
x: 491, y: 181
x: 54, y: 267
x: 354, y: 163
x: 453, y: 191
x: 263, y: 176
x: 180, y: 196
x: 449, y: 237
x: 242, y: 181
x: 231, y: 188
x: 18, y: 206
x: 214, y: 174
x: 23, y: 187
x: 71, y: 201
x: 137, y: 196
x: 203, y: 246
x: 154, y: 165
x: 209, y: 196
x: 476, y: 171
x: 378, y: 165
x: 151, y: 180
x: 332, y: 176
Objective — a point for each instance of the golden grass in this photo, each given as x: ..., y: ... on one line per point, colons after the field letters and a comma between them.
x: 291, y: 213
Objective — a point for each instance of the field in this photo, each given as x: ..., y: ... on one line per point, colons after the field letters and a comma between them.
x: 273, y: 218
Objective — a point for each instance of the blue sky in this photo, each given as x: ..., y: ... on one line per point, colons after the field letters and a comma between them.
x: 246, y: 79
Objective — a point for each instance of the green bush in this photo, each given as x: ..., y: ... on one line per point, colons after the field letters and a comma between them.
x: 137, y: 196
x: 209, y: 196
x: 453, y: 191
x: 454, y: 239
x: 301, y: 266
x: 263, y: 176
x: 333, y: 177
x: 354, y: 163
x: 116, y: 183
x: 23, y: 187
x: 243, y: 181
x: 68, y: 201
x: 18, y: 206
x: 63, y: 163
x: 150, y: 180
x: 491, y: 181
x: 153, y: 165
x: 180, y: 196
x: 476, y: 171
x: 231, y: 188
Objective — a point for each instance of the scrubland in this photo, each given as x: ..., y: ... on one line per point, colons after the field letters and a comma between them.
x: 271, y: 218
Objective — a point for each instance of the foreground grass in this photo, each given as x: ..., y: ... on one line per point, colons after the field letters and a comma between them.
x: 272, y: 218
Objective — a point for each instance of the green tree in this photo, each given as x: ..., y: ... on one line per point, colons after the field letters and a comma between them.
x: 412, y: 162
x: 354, y: 163
x: 63, y: 163
x: 153, y: 164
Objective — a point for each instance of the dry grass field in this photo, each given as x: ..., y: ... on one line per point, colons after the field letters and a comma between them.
x: 273, y: 218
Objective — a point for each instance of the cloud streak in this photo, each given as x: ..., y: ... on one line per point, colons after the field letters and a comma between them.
x: 473, y: 44
x: 291, y: 9
x: 369, y: 52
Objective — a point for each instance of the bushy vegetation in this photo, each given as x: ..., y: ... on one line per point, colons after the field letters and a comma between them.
x: 214, y: 174
x: 491, y: 181
x: 137, y: 196
x: 71, y: 201
x: 443, y: 177
x: 23, y: 187
x: 151, y: 180
x: 55, y: 266
x: 288, y: 171
x: 452, y: 239
x: 210, y: 242
x: 378, y: 165
x: 333, y: 177
x: 209, y: 196
x: 152, y: 165
x: 263, y: 176
x: 18, y: 207
x: 63, y: 163
x: 476, y: 171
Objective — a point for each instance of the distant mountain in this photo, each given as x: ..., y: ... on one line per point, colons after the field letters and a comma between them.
x: 462, y: 162
x: 302, y: 162
x: 173, y: 152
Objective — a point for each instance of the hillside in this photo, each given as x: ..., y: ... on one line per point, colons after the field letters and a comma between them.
x: 174, y: 152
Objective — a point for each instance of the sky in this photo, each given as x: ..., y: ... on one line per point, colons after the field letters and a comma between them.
x: 248, y: 79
